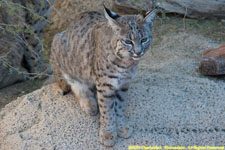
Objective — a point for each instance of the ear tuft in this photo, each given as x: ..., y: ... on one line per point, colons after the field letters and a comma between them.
x: 110, y: 13
x: 111, y: 17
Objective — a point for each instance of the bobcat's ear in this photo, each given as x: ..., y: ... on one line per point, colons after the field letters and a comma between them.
x: 111, y: 17
x: 150, y: 16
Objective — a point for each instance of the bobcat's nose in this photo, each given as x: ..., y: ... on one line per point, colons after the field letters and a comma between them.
x: 137, y: 53
x: 138, y: 50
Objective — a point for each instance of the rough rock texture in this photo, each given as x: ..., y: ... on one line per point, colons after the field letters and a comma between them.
x: 196, y: 8
x: 11, y: 53
x: 130, y: 7
x: 213, y: 61
x: 190, y: 8
x: 63, y: 12
x: 170, y: 103
x: 14, y: 52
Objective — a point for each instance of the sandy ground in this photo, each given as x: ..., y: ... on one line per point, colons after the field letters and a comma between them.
x: 170, y: 104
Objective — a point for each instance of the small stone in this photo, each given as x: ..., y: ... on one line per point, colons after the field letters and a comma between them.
x: 213, y: 61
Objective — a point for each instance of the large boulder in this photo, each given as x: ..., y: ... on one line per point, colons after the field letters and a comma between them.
x: 11, y: 61
x: 169, y: 104
x: 11, y: 50
x: 195, y: 8
x: 189, y: 8
x: 20, y: 48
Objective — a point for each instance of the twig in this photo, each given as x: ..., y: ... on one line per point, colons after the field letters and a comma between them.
x: 5, y: 55
x: 184, y: 23
x: 53, y: 8
x: 24, y: 41
x: 148, y: 4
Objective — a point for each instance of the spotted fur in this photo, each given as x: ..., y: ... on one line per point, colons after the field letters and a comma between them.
x: 96, y: 58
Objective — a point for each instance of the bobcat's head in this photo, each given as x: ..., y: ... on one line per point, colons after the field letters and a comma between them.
x: 132, y: 34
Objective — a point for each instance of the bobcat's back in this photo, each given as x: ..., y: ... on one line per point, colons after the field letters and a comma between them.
x: 73, y: 50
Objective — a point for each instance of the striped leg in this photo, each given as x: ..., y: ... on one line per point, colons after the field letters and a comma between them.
x: 106, y: 100
x: 123, y: 128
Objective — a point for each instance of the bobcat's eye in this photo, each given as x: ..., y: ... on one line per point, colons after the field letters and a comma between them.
x: 144, y: 40
x: 128, y: 42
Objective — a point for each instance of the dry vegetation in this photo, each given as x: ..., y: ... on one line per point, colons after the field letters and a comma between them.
x: 213, y: 29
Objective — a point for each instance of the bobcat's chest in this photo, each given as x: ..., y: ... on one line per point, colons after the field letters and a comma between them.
x: 123, y: 79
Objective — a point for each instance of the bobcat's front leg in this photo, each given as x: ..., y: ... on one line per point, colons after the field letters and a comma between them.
x: 106, y: 102
x: 124, y: 130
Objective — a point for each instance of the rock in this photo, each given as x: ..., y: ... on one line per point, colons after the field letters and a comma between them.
x: 21, y: 53
x: 63, y: 12
x: 129, y: 7
x: 11, y: 50
x: 190, y: 8
x: 11, y: 54
x: 195, y: 9
x: 170, y: 104
x: 213, y: 61
x: 33, y: 55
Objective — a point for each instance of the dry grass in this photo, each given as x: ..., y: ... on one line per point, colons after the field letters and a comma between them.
x: 213, y: 29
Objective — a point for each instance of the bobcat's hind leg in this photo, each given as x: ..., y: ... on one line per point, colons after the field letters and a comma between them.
x: 63, y: 86
x: 86, y: 97
x: 85, y: 94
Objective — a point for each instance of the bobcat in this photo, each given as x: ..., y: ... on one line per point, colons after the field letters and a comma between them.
x: 96, y: 57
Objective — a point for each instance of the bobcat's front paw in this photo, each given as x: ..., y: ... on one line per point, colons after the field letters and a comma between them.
x: 107, y: 138
x: 125, y: 131
x: 123, y: 128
